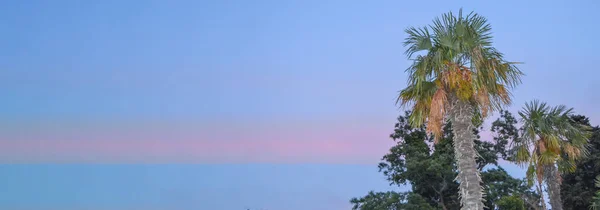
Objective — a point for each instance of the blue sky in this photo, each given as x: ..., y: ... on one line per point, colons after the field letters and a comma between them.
x: 262, y: 59
x: 176, y: 186
x: 279, y: 83
x: 187, y: 187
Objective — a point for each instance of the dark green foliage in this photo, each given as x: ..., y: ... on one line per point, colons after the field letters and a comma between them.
x: 506, y: 131
x: 430, y: 170
x: 500, y: 185
x: 513, y: 202
x: 596, y: 200
x: 578, y: 188
x: 391, y: 201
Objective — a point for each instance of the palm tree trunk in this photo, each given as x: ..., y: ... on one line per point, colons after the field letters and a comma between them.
x: 541, y: 192
x: 553, y: 181
x: 461, y: 116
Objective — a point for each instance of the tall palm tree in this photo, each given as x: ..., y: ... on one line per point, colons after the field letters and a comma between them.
x: 550, y: 144
x: 457, y: 75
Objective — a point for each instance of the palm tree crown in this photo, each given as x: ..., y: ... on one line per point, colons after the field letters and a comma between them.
x: 454, y: 59
x: 550, y: 136
x: 551, y: 143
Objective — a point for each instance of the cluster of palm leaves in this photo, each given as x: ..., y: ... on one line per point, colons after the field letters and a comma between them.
x: 458, y: 76
x: 551, y: 143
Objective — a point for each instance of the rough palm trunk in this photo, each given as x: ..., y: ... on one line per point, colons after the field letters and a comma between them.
x: 553, y: 180
x: 461, y: 116
x: 541, y: 192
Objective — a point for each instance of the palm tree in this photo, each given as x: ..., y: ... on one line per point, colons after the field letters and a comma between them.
x: 550, y: 144
x: 457, y: 75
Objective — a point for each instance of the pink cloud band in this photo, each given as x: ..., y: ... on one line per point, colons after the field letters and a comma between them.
x: 315, y: 143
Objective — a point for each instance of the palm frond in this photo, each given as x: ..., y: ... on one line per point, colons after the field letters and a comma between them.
x: 436, y: 113
x: 418, y: 40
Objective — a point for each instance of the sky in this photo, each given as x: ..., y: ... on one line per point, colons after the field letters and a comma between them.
x: 133, y: 87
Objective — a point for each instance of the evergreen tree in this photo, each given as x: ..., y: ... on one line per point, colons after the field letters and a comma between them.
x: 430, y: 170
x: 578, y: 189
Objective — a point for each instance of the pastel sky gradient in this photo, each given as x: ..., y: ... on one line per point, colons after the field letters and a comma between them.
x: 247, y: 81
x: 307, y: 86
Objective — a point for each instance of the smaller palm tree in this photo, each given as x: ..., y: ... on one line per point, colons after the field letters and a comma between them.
x: 550, y: 144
